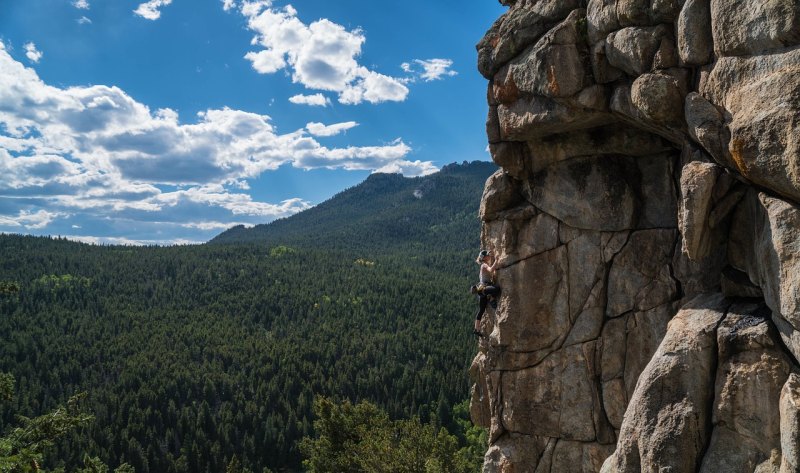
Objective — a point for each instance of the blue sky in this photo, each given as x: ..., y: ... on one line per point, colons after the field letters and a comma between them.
x: 167, y: 121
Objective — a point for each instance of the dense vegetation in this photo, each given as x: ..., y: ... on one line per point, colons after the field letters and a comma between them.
x: 207, y: 358
x: 362, y: 439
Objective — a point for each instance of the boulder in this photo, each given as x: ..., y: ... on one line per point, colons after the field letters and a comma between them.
x: 632, y: 49
x: 752, y: 370
x: 512, y: 450
x: 659, y: 97
x: 697, y: 185
x: 745, y: 27
x: 695, y: 44
x: 528, y: 118
x: 554, y: 66
x: 512, y: 156
x: 666, y: 425
x: 500, y: 193
x: 517, y: 29
x: 602, y: 70
x: 760, y: 100
x: 601, y: 19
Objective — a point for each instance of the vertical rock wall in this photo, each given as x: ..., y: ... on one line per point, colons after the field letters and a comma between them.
x: 646, y: 215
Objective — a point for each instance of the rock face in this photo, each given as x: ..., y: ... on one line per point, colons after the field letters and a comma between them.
x: 647, y: 219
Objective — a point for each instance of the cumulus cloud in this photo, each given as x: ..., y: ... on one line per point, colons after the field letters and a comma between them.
x: 321, y: 55
x: 96, y: 152
x: 81, y: 4
x: 33, y: 54
x: 316, y: 100
x: 29, y: 220
x: 409, y: 168
x: 429, y: 69
x: 151, y: 10
x: 319, y: 129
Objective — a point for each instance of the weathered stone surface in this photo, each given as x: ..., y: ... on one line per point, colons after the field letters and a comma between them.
x: 479, y: 409
x: 665, y: 11
x: 743, y: 27
x: 632, y: 49
x: 607, y: 140
x: 659, y: 197
x: 533, y: 117
x: 500, y: 193
x: 761, y: 99
x: 509, y: 453
x: 554, y: 66
x: 695, y: 44
x: 579, y: 456
x: 666, y: 56
x: 752, y: 370
x: 645, y: 330
x: 658, y: 97
x: 633, y: 12
x: 517, y: 29
x: 602, y: 70
x: 640, y: 276
x: 790, y: 424
x: 735, y: 283
x: 521, y: 233
x: 612, y: 346
x: 706, y: 126
x: 601, y: 18
x: 624, y: 109
x: 587, y: 192
x: 697, y: 186
x: 665, y: 427
x: 764, y: 243
x: 534, y: 305
x: 534, y: 398
x: 493, y: 125
x: 512, y: 156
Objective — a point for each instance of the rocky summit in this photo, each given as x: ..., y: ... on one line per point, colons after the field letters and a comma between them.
x: 647, y: 220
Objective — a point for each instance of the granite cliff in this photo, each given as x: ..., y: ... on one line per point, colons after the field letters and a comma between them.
x: 647, y: 216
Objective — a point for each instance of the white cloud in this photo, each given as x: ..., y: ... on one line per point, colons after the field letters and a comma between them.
x: 96, y: 152
x: 33, y: 54
x: 409, y: 168
x: 431, y: 69
x: 84, y: 21
x: 228, y: 4
x: 30, y: 220
x: 319, y: 129
x: 122, y: 241
x: 81, y: 4
x: 435, y: 69
x: 316, y: 100
x: 321, y: 55
x: 151, y: 10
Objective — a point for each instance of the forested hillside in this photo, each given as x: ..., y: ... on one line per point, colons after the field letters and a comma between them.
x: 386, y: 213
x: 193, y: 354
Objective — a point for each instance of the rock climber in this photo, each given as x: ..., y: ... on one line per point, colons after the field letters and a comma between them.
x: 486, y: 289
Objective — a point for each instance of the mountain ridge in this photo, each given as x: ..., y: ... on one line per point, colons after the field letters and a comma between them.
x: 400, y: 212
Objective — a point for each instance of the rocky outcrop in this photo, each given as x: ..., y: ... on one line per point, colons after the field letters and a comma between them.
x: 647, y: 217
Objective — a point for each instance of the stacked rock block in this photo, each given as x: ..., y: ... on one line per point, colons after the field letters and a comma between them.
x: 647, y: 216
